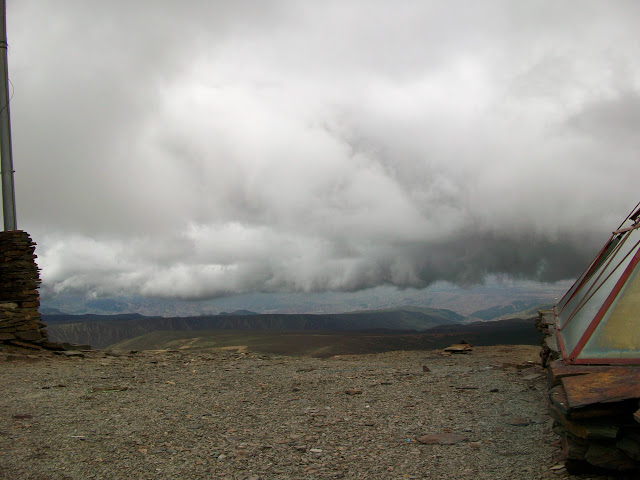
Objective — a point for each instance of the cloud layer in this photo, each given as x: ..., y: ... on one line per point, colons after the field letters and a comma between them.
x: 214, y: 148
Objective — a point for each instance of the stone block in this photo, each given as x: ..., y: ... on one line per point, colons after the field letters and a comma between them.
x: 27, y: 326
x: 29, y: 345
x: 20, y: 321
x: 574, y: 448
x: 29, y: 335
x: 30, y: 304
x: 610, y: 457
x: 630, y: 446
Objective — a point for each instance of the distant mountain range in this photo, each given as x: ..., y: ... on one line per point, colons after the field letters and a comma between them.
x: 328, y: 343
x: 101, y: 331
x: 515, y: 308
x: 483, y: 302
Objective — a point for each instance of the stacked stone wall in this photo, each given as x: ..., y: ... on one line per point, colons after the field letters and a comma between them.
x: 595, y: 408
x: 20, y: 321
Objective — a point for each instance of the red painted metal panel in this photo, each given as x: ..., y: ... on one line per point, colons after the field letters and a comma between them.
x: 601, y: 313
x: 597, y: 283
x: 575, y: 288
x: 563, y: 349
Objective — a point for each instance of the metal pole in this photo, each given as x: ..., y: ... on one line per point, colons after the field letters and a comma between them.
x: 6, y: 157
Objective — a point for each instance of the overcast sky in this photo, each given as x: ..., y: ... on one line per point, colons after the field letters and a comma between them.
x: 202, y: 148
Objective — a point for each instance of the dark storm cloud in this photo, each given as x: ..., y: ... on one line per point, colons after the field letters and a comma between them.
x: 197, y: 149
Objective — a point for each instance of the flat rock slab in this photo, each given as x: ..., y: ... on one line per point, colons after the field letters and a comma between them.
x: 442, y: 439
x: 609, y: 457
x: 605, y: 386
x: 560, y: 369
x: 519, y: 421
x: 353, y: 392
x: 108, y: 389
x: 459, y: 348
x: 72, y: 353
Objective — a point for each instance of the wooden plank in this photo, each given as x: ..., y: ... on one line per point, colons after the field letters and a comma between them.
x: 612, y: 384
x: 559, y: 369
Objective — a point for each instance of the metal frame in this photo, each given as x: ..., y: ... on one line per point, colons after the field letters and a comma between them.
x: 572, y: 356
x: 586, y: 336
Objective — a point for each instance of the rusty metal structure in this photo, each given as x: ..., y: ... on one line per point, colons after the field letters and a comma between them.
x: 591, y: 349
x: 598, y: 319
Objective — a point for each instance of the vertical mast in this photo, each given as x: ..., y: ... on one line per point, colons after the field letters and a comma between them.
x: 6, y: 157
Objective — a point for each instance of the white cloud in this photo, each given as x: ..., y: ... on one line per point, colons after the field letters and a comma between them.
x: 211, y: 148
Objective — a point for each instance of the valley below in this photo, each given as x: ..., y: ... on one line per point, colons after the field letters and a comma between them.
x: 295, y: 334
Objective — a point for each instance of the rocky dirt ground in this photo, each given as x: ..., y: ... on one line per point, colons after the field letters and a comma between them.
x: 241, y: 415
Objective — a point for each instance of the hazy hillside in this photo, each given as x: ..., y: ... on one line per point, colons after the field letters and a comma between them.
x: 415, y: 316
x: 501, y: 310
x: 323, y: 344
x: 62, y: 318
x: 465, y: 301
x: 103, y: 330
x: 498, y: 328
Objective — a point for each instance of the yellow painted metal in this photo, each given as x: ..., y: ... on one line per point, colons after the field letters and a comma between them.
x: 620, y: 330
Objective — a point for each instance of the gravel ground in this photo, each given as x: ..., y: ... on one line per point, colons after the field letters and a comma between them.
x: 239, y: 415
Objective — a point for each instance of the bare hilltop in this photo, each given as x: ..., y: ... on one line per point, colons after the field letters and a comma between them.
x: 232, y: 413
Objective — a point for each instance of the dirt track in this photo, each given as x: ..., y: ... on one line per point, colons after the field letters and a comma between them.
x: 239, y: 415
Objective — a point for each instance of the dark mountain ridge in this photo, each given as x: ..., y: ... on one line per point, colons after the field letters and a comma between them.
x: 103, y: 330
x: 329, y: 343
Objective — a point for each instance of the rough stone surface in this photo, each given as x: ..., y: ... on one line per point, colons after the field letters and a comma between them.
x: 19, y: 298
x: 442, y: 439
x: 224, y: 415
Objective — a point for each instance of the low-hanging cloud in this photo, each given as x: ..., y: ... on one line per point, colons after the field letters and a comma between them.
x: 211, y: 149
